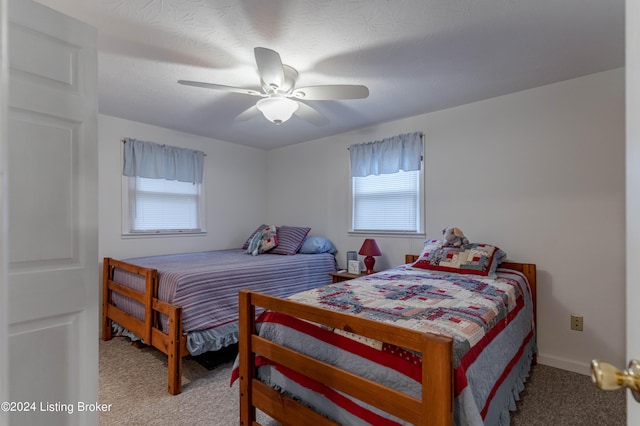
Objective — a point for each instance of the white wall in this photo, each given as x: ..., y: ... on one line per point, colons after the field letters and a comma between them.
x: 540, y: 173
x: 235, y: 195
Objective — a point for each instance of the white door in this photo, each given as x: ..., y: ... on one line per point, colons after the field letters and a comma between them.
x: 633, y: 192
x: 52, y: 266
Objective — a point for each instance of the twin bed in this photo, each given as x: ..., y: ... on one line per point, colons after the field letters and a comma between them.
x: 187, y: 304
x: 363, y: 365
x: 351, y: 353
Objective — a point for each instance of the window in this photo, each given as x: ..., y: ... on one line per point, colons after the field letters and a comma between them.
x: 388, y: 203
x: 162, y: 189
x: 163, y: 206
x: 387, y: 185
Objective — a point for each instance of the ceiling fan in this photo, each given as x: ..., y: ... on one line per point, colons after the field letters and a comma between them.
x: 279, y: 94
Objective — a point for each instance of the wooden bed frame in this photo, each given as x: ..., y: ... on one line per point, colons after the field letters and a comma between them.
x: 173, y: 343
x: 435, y: 407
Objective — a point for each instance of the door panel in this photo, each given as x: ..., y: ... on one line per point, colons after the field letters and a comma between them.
x: 52, y: 192
x: 53, y: 336
x: 42, y: 225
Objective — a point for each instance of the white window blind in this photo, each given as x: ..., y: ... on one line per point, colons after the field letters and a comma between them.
x: 388, y: 202
x: 160, y: 205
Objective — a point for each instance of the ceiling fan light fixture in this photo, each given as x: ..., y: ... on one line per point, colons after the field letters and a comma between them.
x: 279, y: 93
x: 277, y: 109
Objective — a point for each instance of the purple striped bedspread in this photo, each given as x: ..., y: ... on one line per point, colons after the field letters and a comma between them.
x: 206, y: 284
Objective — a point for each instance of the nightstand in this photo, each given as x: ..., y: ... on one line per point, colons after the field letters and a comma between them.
x: 344, y: 276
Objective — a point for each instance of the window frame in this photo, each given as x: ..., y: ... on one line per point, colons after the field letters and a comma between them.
x: 420, y: 232
x: 127, y: 232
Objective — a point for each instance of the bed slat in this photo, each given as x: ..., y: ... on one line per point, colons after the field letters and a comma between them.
x: 270, y: 400
x: 129, y: 292
x: 398, y: 404
x: 121, y: 317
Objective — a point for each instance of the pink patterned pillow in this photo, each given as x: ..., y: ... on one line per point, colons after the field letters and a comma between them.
x: 263, y: 241
x: 258, y: 229
x: 269, y: 238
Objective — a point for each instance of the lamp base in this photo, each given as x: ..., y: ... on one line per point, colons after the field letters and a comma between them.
x: 369, y: 261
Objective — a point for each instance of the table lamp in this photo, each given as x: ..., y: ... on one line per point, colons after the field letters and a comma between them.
x: 369, y: 249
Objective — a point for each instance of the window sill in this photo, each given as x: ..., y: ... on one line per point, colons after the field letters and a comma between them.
x: 162, y: 234
x: 406, y: 234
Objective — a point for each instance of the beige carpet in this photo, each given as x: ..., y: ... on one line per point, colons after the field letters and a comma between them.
x: 134, y: 382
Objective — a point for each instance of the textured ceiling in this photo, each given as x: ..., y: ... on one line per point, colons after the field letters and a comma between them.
x: 414, y: 56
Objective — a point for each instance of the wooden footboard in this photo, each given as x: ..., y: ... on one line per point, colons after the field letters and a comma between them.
x: 434, y: 408
x: 173, y: 343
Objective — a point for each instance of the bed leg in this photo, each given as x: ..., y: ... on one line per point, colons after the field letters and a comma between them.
x: 174, y: 356
x: 106, y: 322
x: 437, y: 382
x: 246, y: 367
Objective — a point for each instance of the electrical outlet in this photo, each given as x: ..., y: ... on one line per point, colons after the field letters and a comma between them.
x: 577, y: 322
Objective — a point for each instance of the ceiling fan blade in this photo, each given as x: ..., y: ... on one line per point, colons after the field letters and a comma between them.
x: 248, y: 114
x: 331, y: 91
x: 311, y: 114
x: 270, y: 67
x: 221, y: 87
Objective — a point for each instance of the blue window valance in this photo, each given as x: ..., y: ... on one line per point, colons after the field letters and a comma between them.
x: 390, y: 155
x: 156, y: 161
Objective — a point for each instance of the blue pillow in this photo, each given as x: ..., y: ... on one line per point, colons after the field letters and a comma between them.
x: 315, y: 245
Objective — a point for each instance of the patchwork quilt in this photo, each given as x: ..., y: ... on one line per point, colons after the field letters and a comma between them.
x: 489, y: 319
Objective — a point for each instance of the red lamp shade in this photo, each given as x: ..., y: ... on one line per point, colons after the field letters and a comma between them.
x: 369, y: 249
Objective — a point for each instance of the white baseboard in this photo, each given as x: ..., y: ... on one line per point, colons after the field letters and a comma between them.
x: 565, y: 364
